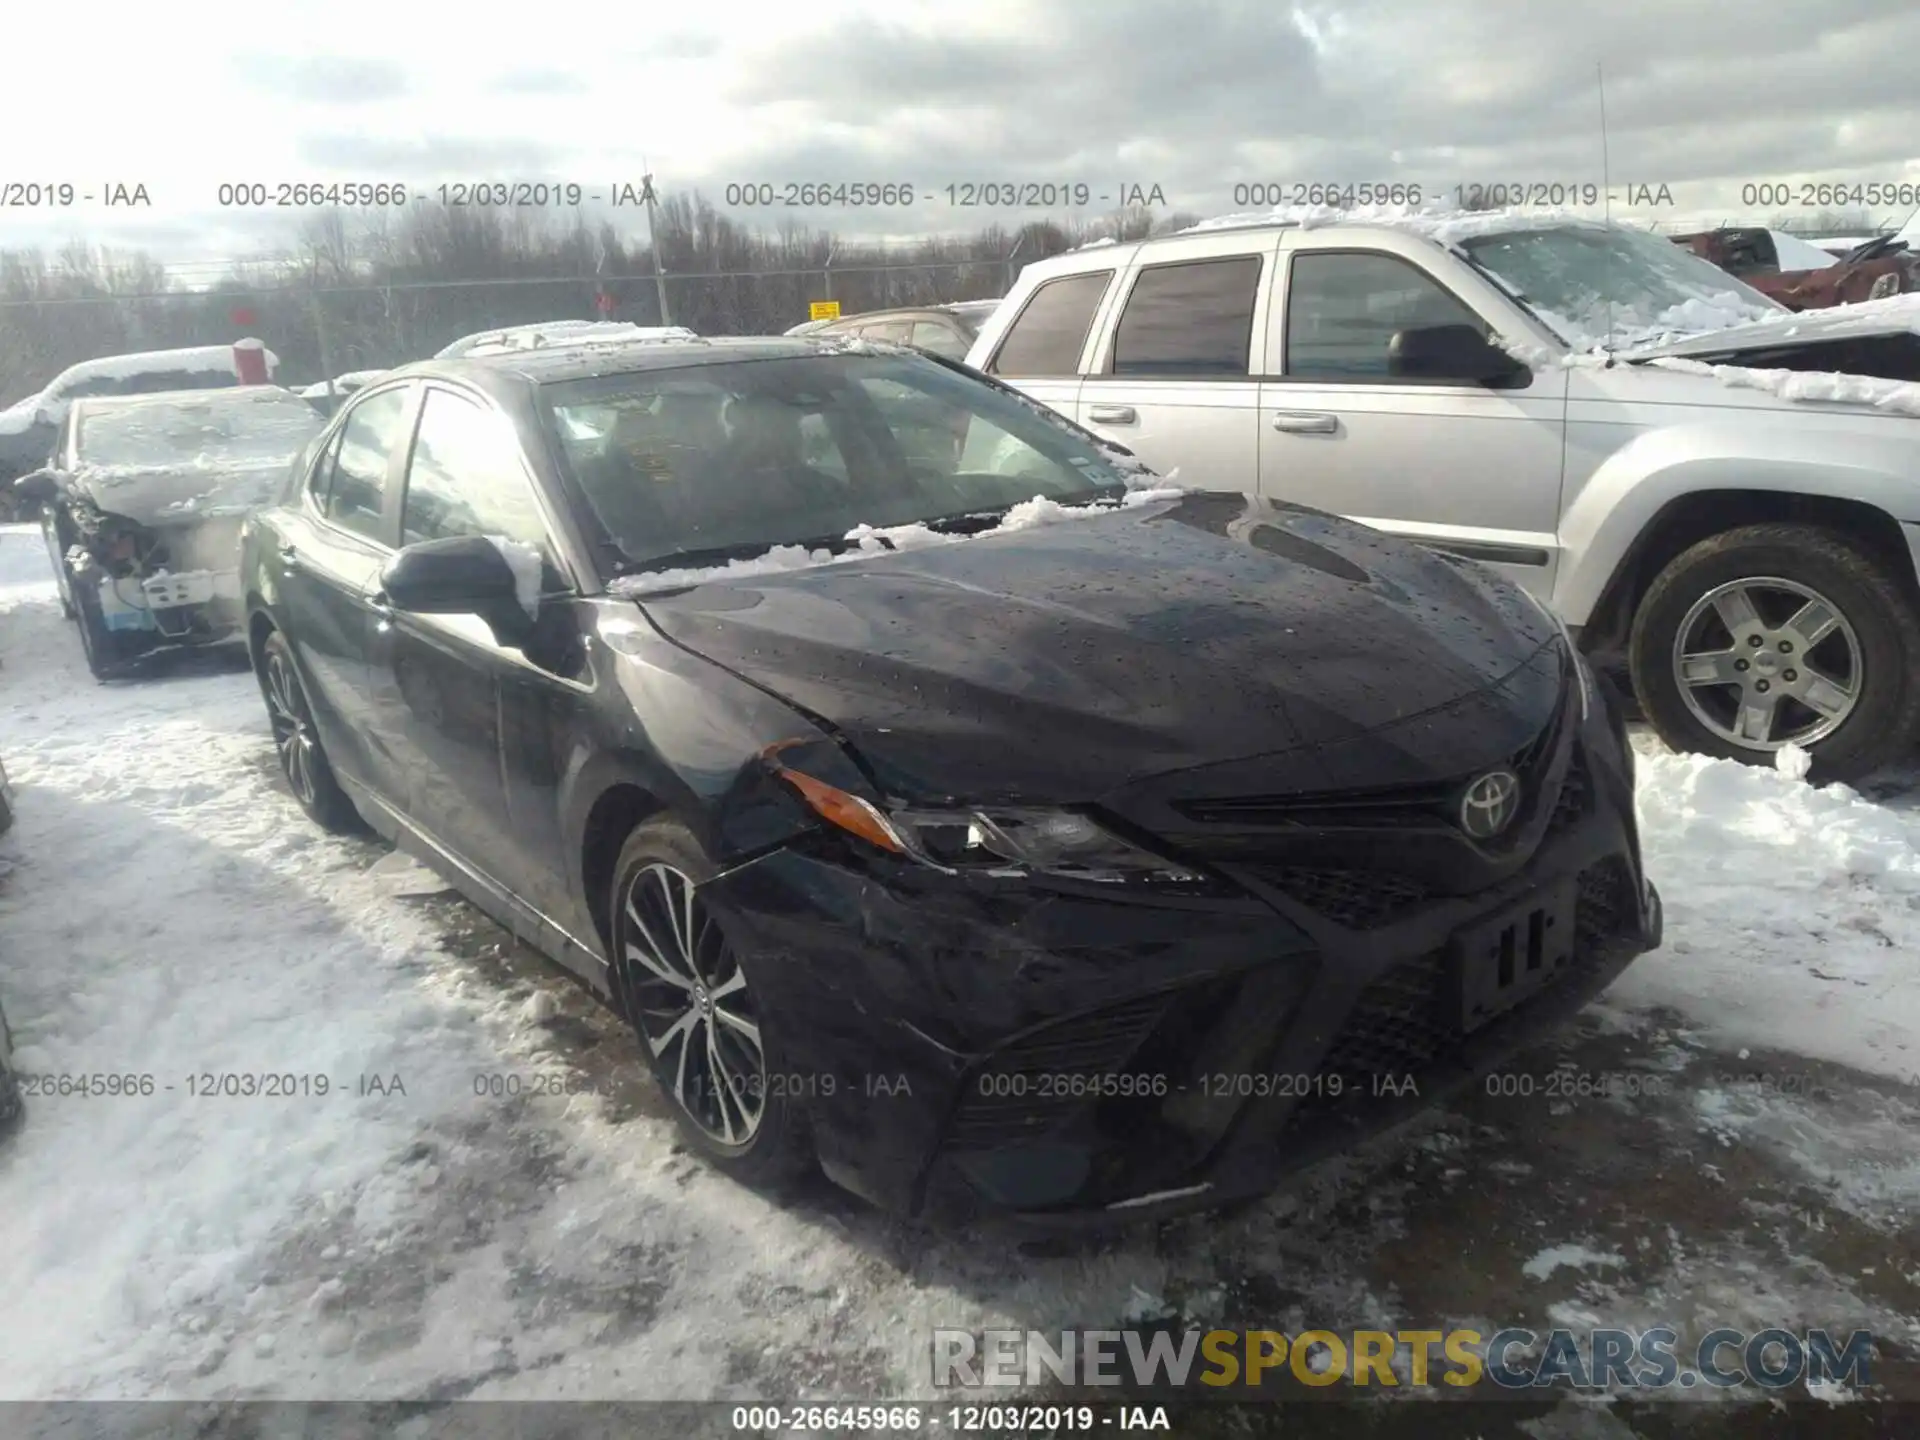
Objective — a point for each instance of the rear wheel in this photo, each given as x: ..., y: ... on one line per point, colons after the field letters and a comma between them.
x: 1772, y: 635
x: 711, y: 1041
x: 302, y: 759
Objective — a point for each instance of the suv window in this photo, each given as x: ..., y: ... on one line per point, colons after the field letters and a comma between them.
x: 1344, y: 307
x: 1189, y: 318
x: 367, y: 441
x: 1046, y: 338
x: 465, y: 477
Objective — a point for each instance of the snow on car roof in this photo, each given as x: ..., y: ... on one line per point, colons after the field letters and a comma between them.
x: 214, y: 359
x: 1443, y: 223
x: 570, y: 332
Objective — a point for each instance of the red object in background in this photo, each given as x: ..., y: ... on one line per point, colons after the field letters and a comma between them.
x: 241, y: 315
x: 603, y: 302
x: 250, y: 362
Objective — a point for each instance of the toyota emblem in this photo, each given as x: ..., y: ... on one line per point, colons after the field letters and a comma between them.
x: 1489, y: 804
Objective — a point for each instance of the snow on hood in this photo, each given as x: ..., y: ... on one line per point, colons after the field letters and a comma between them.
x: 1894, y: 315
x: 870, y: 541
x: 1894, y: 397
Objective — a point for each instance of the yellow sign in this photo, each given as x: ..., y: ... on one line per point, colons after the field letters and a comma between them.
x: 823, y: 310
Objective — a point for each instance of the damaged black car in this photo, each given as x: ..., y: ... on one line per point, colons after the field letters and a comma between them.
x: 141, y: 507
x: 987, y: 824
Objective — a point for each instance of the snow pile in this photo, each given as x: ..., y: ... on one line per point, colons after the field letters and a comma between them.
x: 528, y: 569
x: 1813, y: 387
x: 870, y: 541
x: 1791, y: 911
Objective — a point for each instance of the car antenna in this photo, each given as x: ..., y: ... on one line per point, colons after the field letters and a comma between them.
x: 1606, y: 196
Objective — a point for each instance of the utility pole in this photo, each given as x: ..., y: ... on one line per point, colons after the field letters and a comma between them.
x: 653, y: 243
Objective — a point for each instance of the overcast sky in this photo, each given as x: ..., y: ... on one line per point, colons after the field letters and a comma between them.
x: 1194, y: 96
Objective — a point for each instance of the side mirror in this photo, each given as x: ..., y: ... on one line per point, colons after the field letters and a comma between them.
x: 1460, y: 353
x: 40, y: 486
x: 461, y: 575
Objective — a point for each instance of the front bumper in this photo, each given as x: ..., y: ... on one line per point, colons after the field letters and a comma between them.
x: 1058, y: 1056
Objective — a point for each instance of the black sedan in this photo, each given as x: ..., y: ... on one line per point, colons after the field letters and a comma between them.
x: 970, y: 821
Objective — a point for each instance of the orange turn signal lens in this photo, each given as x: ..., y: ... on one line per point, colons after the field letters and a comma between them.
x: 849, y: 812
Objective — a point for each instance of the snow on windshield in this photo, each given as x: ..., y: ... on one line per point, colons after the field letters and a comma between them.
x: 232, y: 430
x: 1596, y: 283
x: 870, y: 541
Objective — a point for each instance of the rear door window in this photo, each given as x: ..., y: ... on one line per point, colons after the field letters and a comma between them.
x: 1190, y: 319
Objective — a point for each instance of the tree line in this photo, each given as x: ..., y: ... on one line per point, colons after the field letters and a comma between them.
x: 368, y: 289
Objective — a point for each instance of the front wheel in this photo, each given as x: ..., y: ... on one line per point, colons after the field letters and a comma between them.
x: 1772, y: 635
x: 706, y: 1030
x: 303, y: 761
x: 50, y: 530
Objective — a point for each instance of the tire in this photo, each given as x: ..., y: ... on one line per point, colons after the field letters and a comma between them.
x: 296, y: 741
x: 50, y: 530
x: 12, y: 1107
x: 109, y: 653
x: 1869, y: 702
x: 671, y: 1018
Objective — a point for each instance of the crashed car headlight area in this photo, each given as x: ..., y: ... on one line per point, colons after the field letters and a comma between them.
x: 1005, y: 842
x: 168, y: 585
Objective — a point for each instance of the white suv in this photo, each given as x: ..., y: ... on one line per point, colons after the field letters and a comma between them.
x: 1509, y: 388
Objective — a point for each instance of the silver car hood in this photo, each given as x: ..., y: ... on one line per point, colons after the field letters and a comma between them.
x: 170, y: 495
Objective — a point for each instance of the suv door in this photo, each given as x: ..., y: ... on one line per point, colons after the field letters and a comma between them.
x: 478, y: 716
x: 323, y: 575
x: 1042, y: 353
x: 1175, y: 378
x: 1454, y: 463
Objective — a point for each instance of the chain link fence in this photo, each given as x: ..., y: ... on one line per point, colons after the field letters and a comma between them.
x: 325, y: 330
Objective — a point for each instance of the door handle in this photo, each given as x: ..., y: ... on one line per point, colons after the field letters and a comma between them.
x: 289, y: 558
x: 1298, y: 422
x: 1112, y: 415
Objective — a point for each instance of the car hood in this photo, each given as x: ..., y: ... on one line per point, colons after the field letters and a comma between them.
x: 1059, y: 663
x: 1896, y: 315
x: 178, y: 494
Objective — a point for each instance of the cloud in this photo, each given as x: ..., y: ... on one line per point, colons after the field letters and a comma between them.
x: 324, y: 79
x: 540, y: 82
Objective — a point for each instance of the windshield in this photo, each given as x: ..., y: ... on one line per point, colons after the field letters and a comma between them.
x: 729, y: 460
x: 268, y: 428
x: 1609, y: 285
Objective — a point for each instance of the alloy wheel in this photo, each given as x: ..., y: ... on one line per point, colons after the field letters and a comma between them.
x: 1765, y: 662
x: 688, y: 998
x: 292, y: 728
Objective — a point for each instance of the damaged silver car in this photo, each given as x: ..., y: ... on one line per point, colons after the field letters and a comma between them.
x: 142, y: 504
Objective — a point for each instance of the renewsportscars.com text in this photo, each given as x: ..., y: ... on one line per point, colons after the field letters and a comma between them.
x: 1511, y: 1359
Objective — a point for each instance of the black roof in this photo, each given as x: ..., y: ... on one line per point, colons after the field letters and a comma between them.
x: 560, y: 363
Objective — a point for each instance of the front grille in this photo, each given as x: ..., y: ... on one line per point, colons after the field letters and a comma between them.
x: 1358, y: 899
x: 1025, y: 1089
x: 1399, y: 1025
x: 1575, y: 798
x: 1404, y: 1022
x: 1395, y: 807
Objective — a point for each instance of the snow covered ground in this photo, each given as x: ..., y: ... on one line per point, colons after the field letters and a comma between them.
x: 166, y: 912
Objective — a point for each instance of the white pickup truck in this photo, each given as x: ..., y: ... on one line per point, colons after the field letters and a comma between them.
x: 1723, y: 492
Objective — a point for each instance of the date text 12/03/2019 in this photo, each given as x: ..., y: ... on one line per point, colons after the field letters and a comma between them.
x: 1465, y: 195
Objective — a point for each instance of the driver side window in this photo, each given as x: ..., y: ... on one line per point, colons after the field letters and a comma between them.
x: 1345, y: 307
x: 466, y: 476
